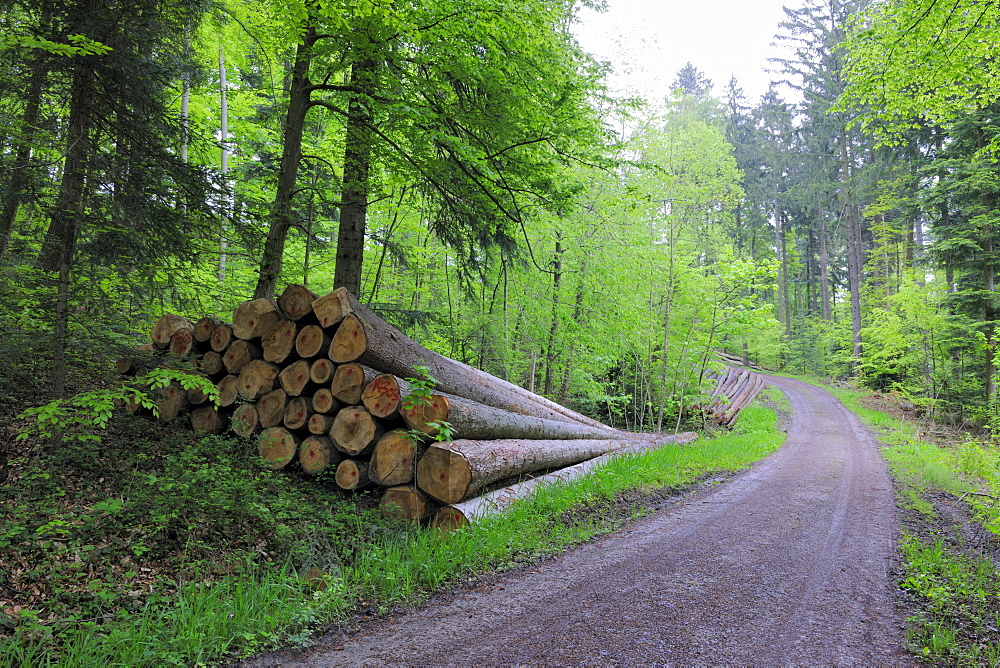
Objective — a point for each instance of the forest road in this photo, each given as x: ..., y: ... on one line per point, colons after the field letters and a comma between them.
x: 790, y: 563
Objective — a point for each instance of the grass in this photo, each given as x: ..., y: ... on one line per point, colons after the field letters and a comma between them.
x: 954, y: 584
x: 372, y: 565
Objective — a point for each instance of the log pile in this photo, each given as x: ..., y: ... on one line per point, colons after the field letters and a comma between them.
x: 324, y: 384
x: 735, y: 390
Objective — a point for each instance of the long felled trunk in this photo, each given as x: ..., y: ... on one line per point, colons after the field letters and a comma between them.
x: 357, y: 163
x: 291, y: 154
x: 450, y: 472
x: 365, y: 337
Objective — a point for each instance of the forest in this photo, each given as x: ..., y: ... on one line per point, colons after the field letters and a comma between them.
x: 462, y: 168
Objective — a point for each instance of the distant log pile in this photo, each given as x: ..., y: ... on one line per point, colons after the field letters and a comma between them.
x: 325, y: 382
x: 735, y: 390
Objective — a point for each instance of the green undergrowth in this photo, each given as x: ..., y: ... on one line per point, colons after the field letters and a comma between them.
x: 145, y: 551
x: 948, y: 569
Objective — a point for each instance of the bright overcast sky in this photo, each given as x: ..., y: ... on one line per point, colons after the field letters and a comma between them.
x: 647, y: 41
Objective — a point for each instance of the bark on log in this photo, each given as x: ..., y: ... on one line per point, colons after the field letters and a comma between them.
x: 394, y: 460
x: 295, y: 378
x: 296, y: 301
x: 296, y: 413
x: 349, y: 381
x: 311, y: 341
x: 352, y: 475
x: 239, y: 354
x: 321, y: 371
x: 320, y: 424
x: 254, y: 318
x: 222, y: 338
x: 212, y: 365
x: 165, y: 327
x: 406, y: 503
x: 182, y: 343
x: 277, y: 446
x: 271, y: 408
x: 451, y: 472
x: 204, y: 328
x: 208, y: 419
x: 386, y: 348
x: 734, y: 413
x: 245, y: 422
x: 354, y: 431
x: 279, y: 341
x: 257, y: 379
x: 472, y: 420
x: 229, y: 390
x: 317, y: 454
x: 498, y: 501
x: 323, y: 401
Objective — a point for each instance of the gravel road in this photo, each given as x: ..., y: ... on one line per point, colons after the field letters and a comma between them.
x: 790, y: 563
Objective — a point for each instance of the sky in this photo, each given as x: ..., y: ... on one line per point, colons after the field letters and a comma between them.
x: 647, y: 41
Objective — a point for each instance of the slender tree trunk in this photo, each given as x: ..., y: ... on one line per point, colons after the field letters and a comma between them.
x: 224, y: 137
x: 550, y: 348
x: 358, y: 142
x: 855, y: 262
x: 23, y: 152
x: 291, y: 154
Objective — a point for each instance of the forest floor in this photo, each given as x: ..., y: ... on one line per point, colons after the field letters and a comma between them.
x: 792, y: 562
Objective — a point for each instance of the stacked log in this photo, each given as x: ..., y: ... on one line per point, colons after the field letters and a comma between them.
x: 325, y: 385
x: 735, y: 389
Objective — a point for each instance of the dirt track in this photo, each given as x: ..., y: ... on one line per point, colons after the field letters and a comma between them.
x: 790, y: 563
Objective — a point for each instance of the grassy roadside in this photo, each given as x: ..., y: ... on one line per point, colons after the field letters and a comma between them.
x: 946, y: 491
x: 165, y: 561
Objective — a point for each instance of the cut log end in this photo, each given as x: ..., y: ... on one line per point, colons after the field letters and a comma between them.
x: 382, y: 396
x: 296, y: 301
x: 352, y: 475
x: 444, y: 474
x: 449, y: 518
x: 406, y: 503
x: 350, y: 342
x: 165, y: 327
x: 394, y: 459
x: 254, y: 318
x: 316, y: 454
x: 277, y: 447
x: 420, y: 415
x: 354, y: 431
x: 311, y: 341
x: 245, y: 422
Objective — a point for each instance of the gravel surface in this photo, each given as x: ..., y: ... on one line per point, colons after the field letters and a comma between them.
x: 791, y: 563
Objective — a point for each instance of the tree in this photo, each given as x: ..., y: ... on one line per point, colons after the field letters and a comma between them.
x: 472, y: 106
x: 692, y: 81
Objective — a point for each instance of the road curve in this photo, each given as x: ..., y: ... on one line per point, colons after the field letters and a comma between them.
x: 790, y: 563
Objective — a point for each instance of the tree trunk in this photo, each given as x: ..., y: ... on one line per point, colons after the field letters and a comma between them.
x: 204, y: 328
x: 386, y: 348
x: 296, y: 301
x: 295, y: 378
x: 355, y: 431
x: 358, y: 142
x: 291, y: 153
x: 320, y: 423
x: 277, y: 446
x: 311, y: 341
x: 208, y: 419
x: 394, y: 460
x: 271, y: 408
x: 254, y: 318
x: 229, y: 390
x: 245, y: 422
x: 316, y: 454
x: 279, y: 342
x: 165, y: 327
x: 211, y: 364
x: 222, y: 337
x: 406, y: 503
x: 256, y: 379
x: 296, y: 413
x: 239, y: 354
x: 352, y: 475
x: 321, y: 371
x: 323, y: 401
x: 455, y: 471
x: 498, y: 501
x: 349, y: 381
x: 26, y: 139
